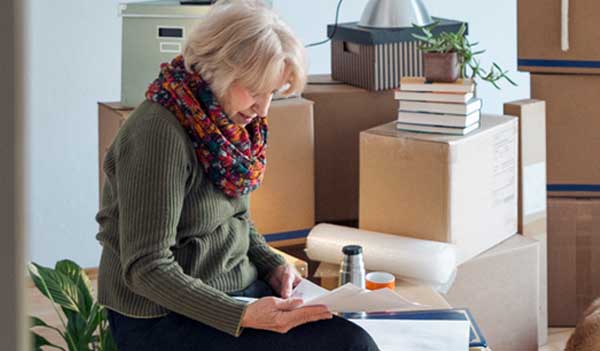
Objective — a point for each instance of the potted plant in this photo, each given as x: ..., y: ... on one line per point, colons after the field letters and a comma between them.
x: 448, y: 56
x: 84, y: 323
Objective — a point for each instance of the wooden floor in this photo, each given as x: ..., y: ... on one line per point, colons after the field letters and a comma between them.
x: 557, y: 339
x: 39, y: 306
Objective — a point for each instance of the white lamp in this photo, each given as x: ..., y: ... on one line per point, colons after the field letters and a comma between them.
x: 394, y: 14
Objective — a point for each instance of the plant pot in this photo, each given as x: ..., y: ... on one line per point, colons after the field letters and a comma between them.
x: 441, y: 67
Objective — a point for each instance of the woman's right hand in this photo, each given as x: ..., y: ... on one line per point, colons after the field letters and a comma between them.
x: 279, y: 315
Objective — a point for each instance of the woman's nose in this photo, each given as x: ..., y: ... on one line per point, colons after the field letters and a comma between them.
x: 261, y: 107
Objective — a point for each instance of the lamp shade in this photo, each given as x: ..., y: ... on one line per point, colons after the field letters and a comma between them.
x: 394, y: 14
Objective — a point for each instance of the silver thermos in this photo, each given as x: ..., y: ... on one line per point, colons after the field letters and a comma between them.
x: 352, y: 269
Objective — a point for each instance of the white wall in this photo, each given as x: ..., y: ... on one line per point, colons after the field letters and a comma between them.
x: 74, y: 62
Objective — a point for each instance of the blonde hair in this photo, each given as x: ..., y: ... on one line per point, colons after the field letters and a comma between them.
x: 244, y: 41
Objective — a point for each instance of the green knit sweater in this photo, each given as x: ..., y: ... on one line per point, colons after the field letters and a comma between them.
x: 172, y: 241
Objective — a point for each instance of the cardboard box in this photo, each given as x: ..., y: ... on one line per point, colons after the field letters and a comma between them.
x: 283, y: 207
x: 532, y: 164
x: 458, y: 189
x: 329, y: 275
x: 500, y: 287
x: 341, y: 113
x: 573, y: 258
x: 572, y: 126
x: 532, y: 189
x: 540, y: 36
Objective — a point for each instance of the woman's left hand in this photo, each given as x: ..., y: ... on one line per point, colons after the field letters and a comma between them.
x: 283, y: 280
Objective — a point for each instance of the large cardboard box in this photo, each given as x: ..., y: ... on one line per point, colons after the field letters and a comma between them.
x: 573, y: 258
x: 283, y: 208
x: 458, y: 189
x: 532, y: 189
x: 542, y: 27
x: 341, y: 113
x: 572, y: 126
x: 500, y: 287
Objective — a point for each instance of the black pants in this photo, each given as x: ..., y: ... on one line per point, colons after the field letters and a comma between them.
x: 176, y: 332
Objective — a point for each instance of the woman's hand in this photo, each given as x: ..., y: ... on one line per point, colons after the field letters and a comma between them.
x: 283, y: 280
x: 279, y: 315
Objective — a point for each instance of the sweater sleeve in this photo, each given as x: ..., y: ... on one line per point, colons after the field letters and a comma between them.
x: 152, y: 168
x: 261, y: 254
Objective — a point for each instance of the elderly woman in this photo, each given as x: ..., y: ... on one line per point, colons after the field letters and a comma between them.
x: 178, y: 242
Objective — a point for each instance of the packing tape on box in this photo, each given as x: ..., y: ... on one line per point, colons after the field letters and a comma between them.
x: 426, y: 261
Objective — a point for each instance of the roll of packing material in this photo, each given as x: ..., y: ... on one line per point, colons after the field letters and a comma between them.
x: 428, y: 261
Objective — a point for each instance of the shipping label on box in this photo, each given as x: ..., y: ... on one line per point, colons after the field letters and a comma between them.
x: 454, y: 189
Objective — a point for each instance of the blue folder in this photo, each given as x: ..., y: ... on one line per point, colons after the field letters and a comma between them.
x: 476, y: 338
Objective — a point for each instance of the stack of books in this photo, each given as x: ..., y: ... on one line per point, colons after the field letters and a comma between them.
x: 443, y: 108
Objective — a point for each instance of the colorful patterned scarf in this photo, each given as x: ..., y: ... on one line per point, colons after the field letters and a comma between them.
x: 233, y: 157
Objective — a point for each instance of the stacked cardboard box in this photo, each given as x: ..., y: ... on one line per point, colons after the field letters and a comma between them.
x: 283, y: 207
x: 341, y: 112
x: 556, y: 44
x: 573, y: 257
x: 440, y: 187
x: 532, y: 190
x: 470, y: 190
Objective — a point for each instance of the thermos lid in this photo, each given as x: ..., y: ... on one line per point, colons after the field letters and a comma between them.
x: 352, y: 250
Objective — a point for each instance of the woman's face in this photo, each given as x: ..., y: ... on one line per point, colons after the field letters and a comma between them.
x: 242, y: 105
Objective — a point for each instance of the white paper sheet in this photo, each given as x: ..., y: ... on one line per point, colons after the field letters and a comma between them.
x: 350, y: 298
x: 308, y: 290
x: 417, y: 335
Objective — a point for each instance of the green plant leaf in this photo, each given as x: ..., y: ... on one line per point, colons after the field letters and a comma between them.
x: 107, y: 343
x: 56, y: 286
x: 462, y: 29
x: 93, y: 321
x: 510, y: 80
x: 76, y: 326
x: 81, y: 280
x: 39, y: 341
x: 420, y: 37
